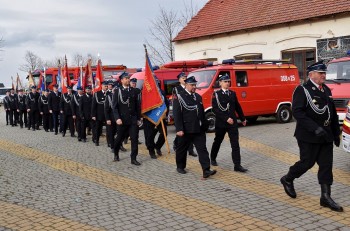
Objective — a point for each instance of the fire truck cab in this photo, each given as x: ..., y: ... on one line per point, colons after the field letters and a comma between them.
x: 263, y: 87
x: 338, y: 80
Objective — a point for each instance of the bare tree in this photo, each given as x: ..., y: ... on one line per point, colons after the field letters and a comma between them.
x: 54, y: 62
x: 32, y: 62
x: 164, y: 29
x: 80, y: 60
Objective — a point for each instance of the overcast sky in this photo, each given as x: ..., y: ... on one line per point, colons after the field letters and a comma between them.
x: 116, y: 29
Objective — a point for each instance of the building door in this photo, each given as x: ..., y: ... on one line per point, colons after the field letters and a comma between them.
x: 302, y: 59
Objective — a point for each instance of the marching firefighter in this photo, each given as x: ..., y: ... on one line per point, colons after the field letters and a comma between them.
x: 66, y: 111
x: 44, y: 110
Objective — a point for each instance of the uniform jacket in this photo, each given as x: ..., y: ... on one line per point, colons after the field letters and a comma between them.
x: 33, y: 101
x: 12, y: 101
x: 75, y: 101
x: 227, y: 101
x: 6, y: 103
x: 98, y: 102
x: 44, y: 104
x: 21, y: 102
x: 85, y: 106
x: 189, y: 121
x: 65, y: 103
x: 54, y: 101
x: 308, y: 120
x: 128, y: 112
x: 108, y: 108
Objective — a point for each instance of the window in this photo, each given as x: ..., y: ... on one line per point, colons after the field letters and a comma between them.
x: 169, y: 85
x: 302, y: 59
x: 71, y: 76
x: 241, y: 79
x: 48, y: 78
x: 204, y: 78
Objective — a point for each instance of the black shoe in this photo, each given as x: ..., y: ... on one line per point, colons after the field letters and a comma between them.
x: 208, y: 173
x: 327, y: 201
x: 63, y: 134
x: 139, y: 142
x: 288, y: 187
x: 239, y: 168
x: 214, y: 163
x: 116, y: 157
x: 159, y: 152
x: 181, y: 170
x: 135, y: 162
x: 122, y: 148
x: 97, y: 143
x: 192, y: 154
x: 153, y: 156
x: 28, y: 128
x: 56, y: 133
x: 46, y: 130
x: 93, y: 141
x: 84, y: 140
x: 79, y: 139
x: 72, y: 135
x: 38, y: 129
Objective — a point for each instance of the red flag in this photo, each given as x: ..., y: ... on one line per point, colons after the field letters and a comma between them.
x: 65, y: 72
x: 151, y: 97
x: 99, y: 77
x: 40, y: 81
x: 63, y: 81
x: 87, y: 80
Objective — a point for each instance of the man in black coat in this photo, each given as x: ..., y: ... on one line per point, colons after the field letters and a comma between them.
x: 12, y: 105
x: 127, y: 113
x: 316, y: 129
x: 225, y: 106
x: 191, y: 126
x: 44, y: 110
x: 111, y: 126
x: 97, y: 112
x: 66, y: 111
x: 54, y: 106
x: 85, y: 111
x: 76, y: 112
x: 177, y: 90
x: 33, y: 108
x: 6, y: 107
x: 21, y: 108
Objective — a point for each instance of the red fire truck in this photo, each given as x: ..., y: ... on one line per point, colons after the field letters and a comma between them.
x: 346, y: 130
x: 338, y: 80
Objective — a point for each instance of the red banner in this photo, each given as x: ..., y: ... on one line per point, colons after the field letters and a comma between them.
x: 99, y: 77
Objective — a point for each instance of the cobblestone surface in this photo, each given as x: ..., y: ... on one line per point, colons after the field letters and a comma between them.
x: 52, y: 182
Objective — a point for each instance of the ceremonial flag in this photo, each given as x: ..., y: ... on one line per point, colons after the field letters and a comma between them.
x: 80, y: 80
x: 43, y: 84
x: 87, y: 80
x: 18, y: 83
x: 59, y: 78
x: 152, y: 103
x: 99, y: 77
x: 13, y: 86
x: 65, y: 77
x: 30, y: 80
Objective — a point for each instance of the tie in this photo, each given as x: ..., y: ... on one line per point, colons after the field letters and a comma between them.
x: 320, y: 87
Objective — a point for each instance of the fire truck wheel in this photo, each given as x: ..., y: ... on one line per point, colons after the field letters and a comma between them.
x: 252, y: 119
x: 210, y: 116
x: 284, y: 114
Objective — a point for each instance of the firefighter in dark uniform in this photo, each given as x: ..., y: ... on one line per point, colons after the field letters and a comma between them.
x: 111, y: 126
x: 191, y: 126
x: 6, y: 107
x: 225, y: 106
x: 75, y: 111
x: 66, y: 111
x: 127, y: 113
x: 85, y: 111
x: 54, y: 107
x: 150, y: 131
x: 316, y: 129
x: 21, y: 108
x: 44, y: 110
x: 97, y: 112
x: 176, y: 90
x: 33, y: 108
x: 12, y: 105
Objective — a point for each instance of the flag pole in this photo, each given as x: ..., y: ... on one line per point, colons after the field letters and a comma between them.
x: 165, y: 136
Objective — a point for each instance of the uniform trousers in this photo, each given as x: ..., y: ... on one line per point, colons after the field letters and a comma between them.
x: 199, y: 141
x: 22, y: 117
x: 311, y: 153
x: 150, y: 131
x: 85, y: 123
x: 133, y: 132
x: 78, y: 126
x: 7, y: 116
x: 34, y: 117
x: 234, y: 141
x: 97, y: 129
x: 68, y: 122
x: 111, y: 130
x: 55, y: 120
x: 13, y: 117
x: 47, y: 121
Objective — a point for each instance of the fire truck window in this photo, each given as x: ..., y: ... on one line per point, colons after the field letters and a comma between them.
x: 169, y: 85
x: 217, y: 85
x: 71, y: 76
x: 241, y: 79
x: 48, y: 78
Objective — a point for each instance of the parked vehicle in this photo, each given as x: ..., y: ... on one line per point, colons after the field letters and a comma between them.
x: 346, y: 130
x: 338, y: 80
x: 263, y: 87
x: 3, y: 93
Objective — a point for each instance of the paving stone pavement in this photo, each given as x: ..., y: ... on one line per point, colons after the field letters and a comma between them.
x: 50, y: 182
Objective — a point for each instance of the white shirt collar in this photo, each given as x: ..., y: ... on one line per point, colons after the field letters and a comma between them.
x: 315, y: 83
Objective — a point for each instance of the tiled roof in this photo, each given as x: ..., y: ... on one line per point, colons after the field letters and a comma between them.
x: 224, y: 16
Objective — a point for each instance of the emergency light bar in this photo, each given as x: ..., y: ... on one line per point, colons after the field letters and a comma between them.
x: 228, y: 61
